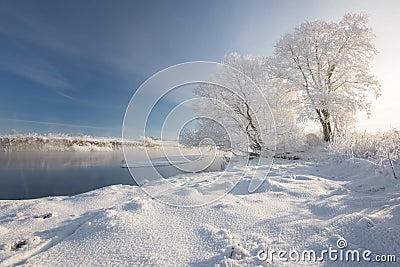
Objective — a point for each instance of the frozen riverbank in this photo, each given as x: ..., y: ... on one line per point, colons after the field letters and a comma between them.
x: 64, y: 142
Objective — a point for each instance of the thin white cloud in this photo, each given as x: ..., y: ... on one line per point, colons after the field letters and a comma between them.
x: 36, y: 70
x: 55, y: 124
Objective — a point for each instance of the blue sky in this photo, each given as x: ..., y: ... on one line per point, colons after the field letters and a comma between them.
x: 72, y: 66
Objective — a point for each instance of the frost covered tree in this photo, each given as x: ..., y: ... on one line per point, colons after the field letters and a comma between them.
x: 285, y: 108
x: 238, y: 107
x: 205, y: 129
x: 328, y: 65
x: 257, y: 108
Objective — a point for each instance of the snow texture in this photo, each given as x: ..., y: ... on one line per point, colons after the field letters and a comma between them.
x: 304, y: 204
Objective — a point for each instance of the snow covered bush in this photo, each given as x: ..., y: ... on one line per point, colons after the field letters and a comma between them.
x: 60, y: 142
x: 382, y: 149
x: 389, y: 151
x: 205, y: 129
x: 150, y: 141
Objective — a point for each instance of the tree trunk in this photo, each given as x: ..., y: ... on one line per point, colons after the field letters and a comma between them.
x: 326, y: 127
x: 252, y: 132
x: 254, y: 140
x: 324, y: 118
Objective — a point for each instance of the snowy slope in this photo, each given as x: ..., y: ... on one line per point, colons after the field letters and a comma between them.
x: 302, y: 205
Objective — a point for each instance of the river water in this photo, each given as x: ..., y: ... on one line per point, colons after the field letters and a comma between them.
x: 26, y: 175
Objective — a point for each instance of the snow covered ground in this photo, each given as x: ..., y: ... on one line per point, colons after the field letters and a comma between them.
x: 307, y: 204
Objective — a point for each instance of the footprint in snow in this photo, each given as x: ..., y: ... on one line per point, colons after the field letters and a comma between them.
x: 322, y: 209
x: 236, y: 252
x: 221, y: 206
x: 366, y: 222
x: 22, y: 244
x: 137, y: 204
x: 45, y: 216
x: 302, y: 178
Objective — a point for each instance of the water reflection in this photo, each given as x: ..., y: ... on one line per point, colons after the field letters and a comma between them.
x: 37, y: 174
x: 25, y: 175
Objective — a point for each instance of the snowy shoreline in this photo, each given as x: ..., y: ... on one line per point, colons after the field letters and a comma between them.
x: 302, y: 204
x: 64, y: 143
